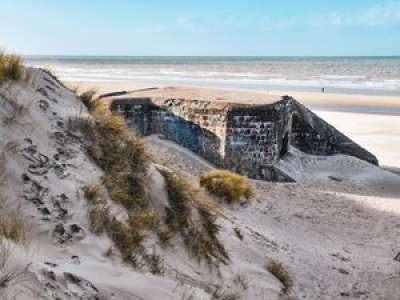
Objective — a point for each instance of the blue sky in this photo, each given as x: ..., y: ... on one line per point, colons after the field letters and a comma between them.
x: 202, y: 27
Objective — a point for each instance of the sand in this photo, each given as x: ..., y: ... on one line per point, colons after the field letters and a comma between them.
x: 308, y: 98
x: 337, y: 238
x: 378, y: 133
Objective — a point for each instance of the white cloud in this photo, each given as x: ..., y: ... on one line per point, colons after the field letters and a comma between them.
x: 377, y: 15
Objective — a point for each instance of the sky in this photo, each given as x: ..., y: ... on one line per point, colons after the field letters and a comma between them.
x: 201, y: 27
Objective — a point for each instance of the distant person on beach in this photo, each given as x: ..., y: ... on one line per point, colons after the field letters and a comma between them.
x: 322, y: 90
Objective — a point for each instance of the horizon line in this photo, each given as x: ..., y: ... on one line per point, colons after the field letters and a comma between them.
x: 212, y: 56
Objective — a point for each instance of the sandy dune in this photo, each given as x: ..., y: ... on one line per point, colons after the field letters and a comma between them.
x: 337, y: 236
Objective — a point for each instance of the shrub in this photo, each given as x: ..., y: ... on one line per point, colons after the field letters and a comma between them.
x: 226, y: 185
x: 11, y: 67
x: 280, y: 272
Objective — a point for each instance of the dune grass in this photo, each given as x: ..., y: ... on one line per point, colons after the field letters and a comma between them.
x: 12, y: 224
x: 124, y: 159
x: 193, y: 219
x: 11, y: 67
x: 92, y: 192
x: 53, y: 76
x: 226, y: 185
x: 218, y: 294
x: 127, y: 235
x: 120, y: 154
x: 279, y: 271
x: 90, y: 100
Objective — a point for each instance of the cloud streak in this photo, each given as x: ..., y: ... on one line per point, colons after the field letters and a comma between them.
x: 381, y: 14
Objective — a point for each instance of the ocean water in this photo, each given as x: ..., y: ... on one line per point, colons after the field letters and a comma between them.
x: 355, y: 75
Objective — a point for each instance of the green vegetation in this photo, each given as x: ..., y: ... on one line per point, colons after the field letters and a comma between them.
x: 226, y: 185
x: 280, y: 272
x: 11, y: 67
x: 190, y: 216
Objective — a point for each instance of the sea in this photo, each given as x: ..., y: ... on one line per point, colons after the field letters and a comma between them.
x: 350, y: 75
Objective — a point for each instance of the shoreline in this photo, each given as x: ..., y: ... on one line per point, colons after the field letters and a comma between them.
x: 352, y: 103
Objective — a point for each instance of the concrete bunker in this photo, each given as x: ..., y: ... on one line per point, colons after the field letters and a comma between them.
x: 249, y: 139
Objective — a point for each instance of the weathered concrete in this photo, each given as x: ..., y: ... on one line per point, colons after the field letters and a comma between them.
x: 246, y: 138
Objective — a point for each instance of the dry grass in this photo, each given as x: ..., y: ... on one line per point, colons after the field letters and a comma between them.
x: 99, y: 217
x: 128, y: 235
x: 3, y: 169
x: 15, y: 108
x: 92, y: 192
x: 155, y: 263
x: 90, y: 100
x: 11, y: 67
x: 120, y: 154
x: 53, y: 76
x: 124, y: 160
x: 280, y: 272
x: 189, y: 216
x: 219, y: 294
x: 10, y: 275
x: 12, y: 223
x: 241, y: 281
x: 226, y: 185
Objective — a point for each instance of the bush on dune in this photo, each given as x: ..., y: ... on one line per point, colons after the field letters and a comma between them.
x: 224, y: 184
